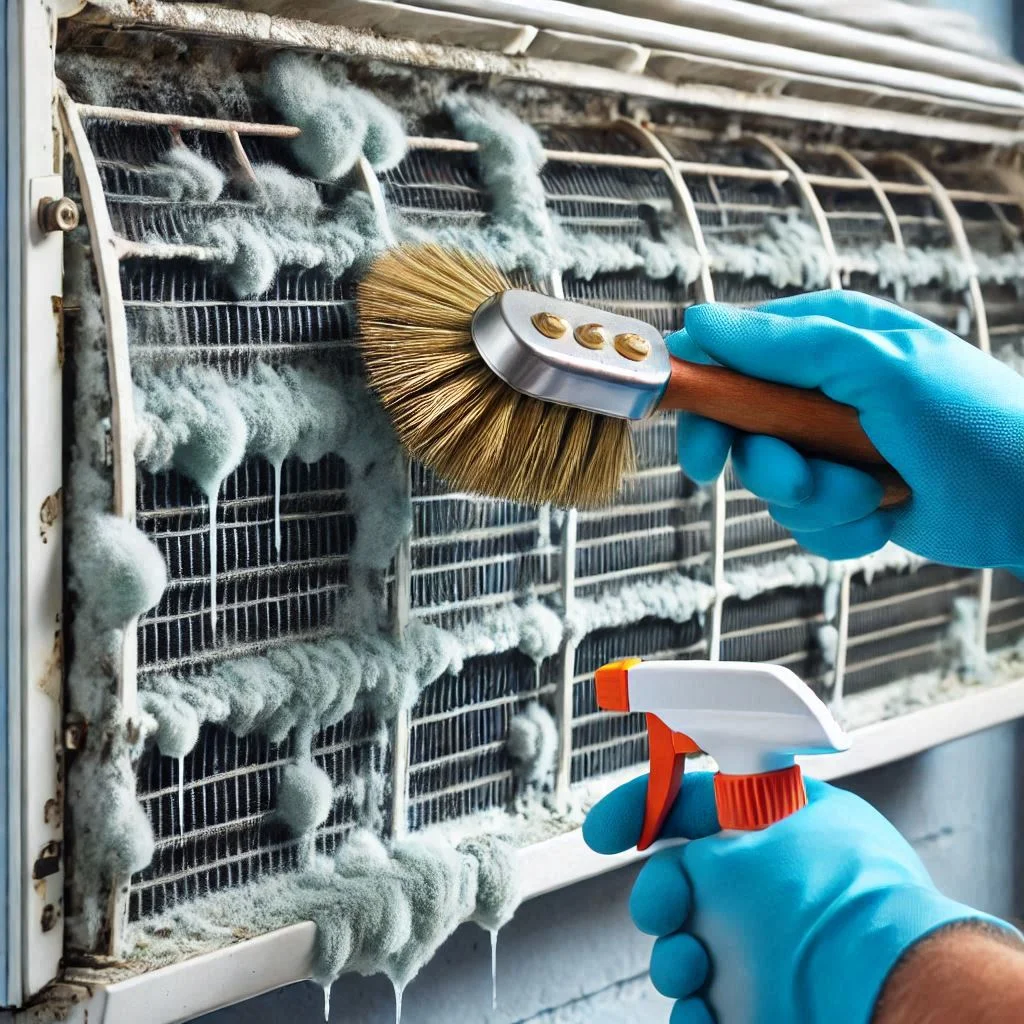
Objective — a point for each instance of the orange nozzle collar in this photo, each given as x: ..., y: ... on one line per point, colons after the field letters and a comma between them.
x: 748, y: 803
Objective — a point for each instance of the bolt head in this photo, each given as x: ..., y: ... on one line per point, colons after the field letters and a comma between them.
x: 58, y: 215
x: 591, y: 336
x: 632, y: 346
x: 550, y: 325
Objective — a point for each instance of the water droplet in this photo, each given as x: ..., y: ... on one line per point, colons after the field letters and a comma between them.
x: 494, y: 968
x: 276, y: 469
x: 327, y: 1001
x: 212, y: 498
x: 399, y: 989
x: 181, y: 794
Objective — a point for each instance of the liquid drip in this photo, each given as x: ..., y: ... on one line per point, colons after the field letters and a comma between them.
x: 494, y: 968
x: 327, y: 1002
x: 276, y: 470
x: 212, y: 498
x: 181, y: 794
x: 399, y: 989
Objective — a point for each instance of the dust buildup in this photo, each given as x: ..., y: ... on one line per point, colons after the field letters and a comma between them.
x: 114, y: 574
x: 532, y: 744
x: 339, y: 122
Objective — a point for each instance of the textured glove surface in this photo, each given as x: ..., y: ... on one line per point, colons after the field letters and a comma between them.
x: 801, y: 922
x: 947, y: 416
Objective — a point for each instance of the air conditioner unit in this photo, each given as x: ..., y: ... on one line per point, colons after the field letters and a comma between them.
x: 268, y: 684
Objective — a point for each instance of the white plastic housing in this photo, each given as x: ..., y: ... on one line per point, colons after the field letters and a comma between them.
x: 750, y: 718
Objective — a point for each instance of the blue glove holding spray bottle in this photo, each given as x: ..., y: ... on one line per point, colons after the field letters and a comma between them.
x: 800, y: 923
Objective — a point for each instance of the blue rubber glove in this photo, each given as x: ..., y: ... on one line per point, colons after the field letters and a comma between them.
x: 798, y: 924
x: 948, y: 417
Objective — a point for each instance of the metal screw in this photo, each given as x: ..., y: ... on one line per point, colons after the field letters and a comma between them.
x: 75, y: 730
x: 591, y: 336
x: 632, y: 346
x: 550, y: 325
x: 57, y: 214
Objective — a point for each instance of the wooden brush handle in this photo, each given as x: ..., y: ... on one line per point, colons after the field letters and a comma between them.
x: 808, y: 420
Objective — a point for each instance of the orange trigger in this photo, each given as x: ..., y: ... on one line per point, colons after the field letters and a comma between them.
x: 668, y: 761
x: 682, y: 744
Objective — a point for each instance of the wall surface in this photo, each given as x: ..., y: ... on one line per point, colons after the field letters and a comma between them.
x: 994, y: 16
x: 574, y: 956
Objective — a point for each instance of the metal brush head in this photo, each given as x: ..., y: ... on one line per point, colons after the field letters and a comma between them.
x: 569, y: 353
x: 519, y: 437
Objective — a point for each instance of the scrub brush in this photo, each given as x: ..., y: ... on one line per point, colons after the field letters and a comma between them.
x: 507, y: 392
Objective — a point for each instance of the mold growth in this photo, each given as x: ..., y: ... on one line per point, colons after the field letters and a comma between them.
x: 891, y: 558
x: 302, y: 685
x: 339, y: 122
x: 497, y: 892
x: 158, y: 75
x: 305, y: 796
x: 377, y: 909
x: 674, y: 597
x: 531, y: 627
x: 183, y: 174
x: 202, y: 424
x: 965, y: 644
x: 520, y: 231
x: 827, y: 637
x: 915, y: 267
x: 749, y: 580
x: 509, y: 159
x: 287, y: 224
x: 114, y: 575
x: 532, y: 743
x: 788, y: 253
x: 188, y: 419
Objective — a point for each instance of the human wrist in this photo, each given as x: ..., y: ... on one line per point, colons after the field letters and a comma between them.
x: 968, y: 970
x: 862, y: 940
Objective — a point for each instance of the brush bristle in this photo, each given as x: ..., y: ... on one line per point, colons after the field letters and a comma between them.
x: 452, y: 412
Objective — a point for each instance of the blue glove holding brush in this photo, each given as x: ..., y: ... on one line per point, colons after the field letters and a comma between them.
x: 947, y: 417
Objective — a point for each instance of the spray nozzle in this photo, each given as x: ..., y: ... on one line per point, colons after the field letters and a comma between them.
x: 752, y: 718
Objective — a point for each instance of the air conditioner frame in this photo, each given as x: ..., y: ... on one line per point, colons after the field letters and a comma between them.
x: 36, y: 730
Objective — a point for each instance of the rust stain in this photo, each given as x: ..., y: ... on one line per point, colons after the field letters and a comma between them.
x: 57, y: 304
x: 49, y: 918
x: 48, y: 861
x: 53, y: 809
x: 53, y: 670
x: 49, y: 513
x: 53, y: 813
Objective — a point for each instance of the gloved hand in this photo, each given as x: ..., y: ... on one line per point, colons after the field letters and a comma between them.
x: 948, y: 417
x: 797, y: 924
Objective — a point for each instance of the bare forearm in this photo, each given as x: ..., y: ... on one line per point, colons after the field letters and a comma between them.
x: 959, y: 974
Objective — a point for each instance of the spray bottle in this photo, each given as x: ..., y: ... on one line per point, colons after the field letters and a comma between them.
x: 752, y: 718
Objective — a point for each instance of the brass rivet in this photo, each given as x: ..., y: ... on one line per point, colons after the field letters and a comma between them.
x: 632, y: 346
x: 550, y: 325
x: 591, y: 335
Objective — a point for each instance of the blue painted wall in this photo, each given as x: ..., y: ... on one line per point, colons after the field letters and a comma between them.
x: 995, y: 16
